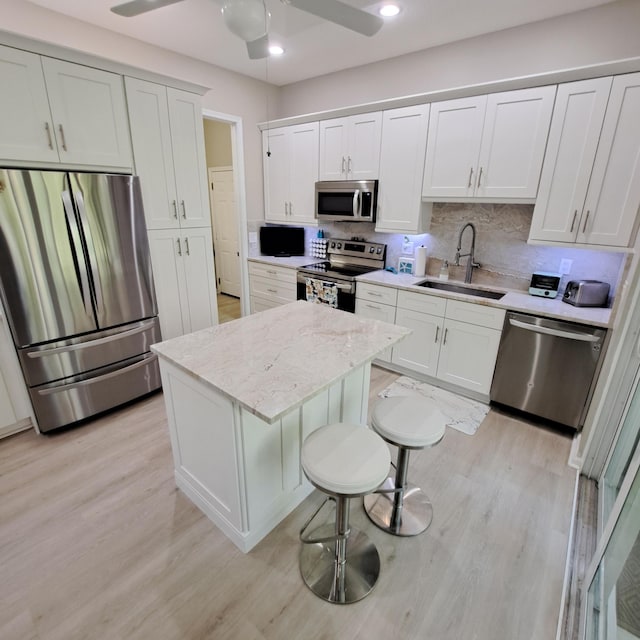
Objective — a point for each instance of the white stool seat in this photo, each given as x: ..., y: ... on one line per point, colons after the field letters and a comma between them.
x: 409, y: 421
x: 345, y: 459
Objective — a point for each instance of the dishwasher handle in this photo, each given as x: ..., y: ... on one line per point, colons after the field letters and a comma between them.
x: 583, y: 337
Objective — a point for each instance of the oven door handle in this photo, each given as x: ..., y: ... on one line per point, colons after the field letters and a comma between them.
x: 342, y: 286
x: 357, y: 205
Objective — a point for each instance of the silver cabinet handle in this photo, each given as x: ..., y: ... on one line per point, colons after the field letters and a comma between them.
x: 344, y: 162
x: 444, y: 340
x: 175, y: 209
x: 479, y: 177
x: 437, y: 332
x: 179, y: 247
x: 373, y: 306
x: 349, y: 165
x: 273, y: 273
x: 186, y: 244
x: 584, y: 227
x: 290, y: 209
x: 286, y: 208
x: 184, y: 210
x: 49, y: 139
x: 62, y: 138
x: 272, y: 290
x: 374, y: 294
x: 470, y: 178
x: 573, y: 222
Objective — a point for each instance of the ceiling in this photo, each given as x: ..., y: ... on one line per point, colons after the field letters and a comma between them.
x: 313, y: 47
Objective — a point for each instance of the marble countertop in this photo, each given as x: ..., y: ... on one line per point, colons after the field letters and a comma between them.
x: 512, y: 300
x: 274, y: 361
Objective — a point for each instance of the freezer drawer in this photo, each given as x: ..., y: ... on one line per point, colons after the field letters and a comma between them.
x: 546, y: 367
x: 65, y: 358
x: 67, y: 401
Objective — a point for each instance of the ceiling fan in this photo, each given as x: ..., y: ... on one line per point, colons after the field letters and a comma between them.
x: 249, y: 19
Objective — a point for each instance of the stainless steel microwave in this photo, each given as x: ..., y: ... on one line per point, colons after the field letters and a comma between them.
x: 346, y: 200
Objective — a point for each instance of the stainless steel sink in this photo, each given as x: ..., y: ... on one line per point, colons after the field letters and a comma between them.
x: 461, y: 288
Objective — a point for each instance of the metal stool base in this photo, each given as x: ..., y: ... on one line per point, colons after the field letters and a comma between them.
x: 415, y: 516
x: 319, y: 570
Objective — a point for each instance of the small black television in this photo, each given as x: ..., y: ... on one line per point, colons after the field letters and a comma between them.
x: 282, y: 241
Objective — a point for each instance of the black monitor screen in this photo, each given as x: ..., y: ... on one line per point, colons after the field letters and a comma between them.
x: 282, y: 241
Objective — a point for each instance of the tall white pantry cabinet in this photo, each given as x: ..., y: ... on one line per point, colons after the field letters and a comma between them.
x: 168, y: 147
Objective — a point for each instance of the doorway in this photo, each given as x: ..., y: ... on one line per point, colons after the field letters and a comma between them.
x: 223, y: 148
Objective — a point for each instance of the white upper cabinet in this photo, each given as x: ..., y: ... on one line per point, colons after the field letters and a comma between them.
x: 290, y: 165
x: 590, y: 185
x: 488, y: 147
x: 26, y: 127
x: 402, y: 152
x: 55, y: 111
x: 350, y: 147
x: 168, y: 146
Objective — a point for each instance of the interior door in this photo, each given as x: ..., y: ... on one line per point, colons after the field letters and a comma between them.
x: 225, y: 230
x: 43, y: 274
x: 111, y: 215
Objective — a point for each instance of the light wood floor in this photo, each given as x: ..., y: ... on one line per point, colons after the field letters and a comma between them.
x: 97, y: 542
x: 228, y: 308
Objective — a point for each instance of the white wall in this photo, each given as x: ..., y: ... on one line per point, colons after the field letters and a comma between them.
x: 231, y: 93
x: 602, y: 34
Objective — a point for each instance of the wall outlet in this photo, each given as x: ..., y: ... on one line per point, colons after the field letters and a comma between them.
x: 407, y: 246
x: 565, y: 266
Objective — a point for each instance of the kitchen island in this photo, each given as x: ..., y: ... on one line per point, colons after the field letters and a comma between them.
x: 241, y: 398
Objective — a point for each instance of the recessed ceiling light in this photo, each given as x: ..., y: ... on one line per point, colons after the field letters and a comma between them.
x: 276, y: 50
x: 389, y: 10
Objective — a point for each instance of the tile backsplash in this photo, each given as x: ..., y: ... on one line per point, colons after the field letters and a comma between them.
x: 501, y: 246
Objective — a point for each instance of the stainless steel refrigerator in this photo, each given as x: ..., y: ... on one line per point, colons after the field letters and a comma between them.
x: 77, y: 289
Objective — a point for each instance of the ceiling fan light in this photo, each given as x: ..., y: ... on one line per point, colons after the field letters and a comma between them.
x: 389, y: 10
x: 247, y: 19
x: 276, y: 50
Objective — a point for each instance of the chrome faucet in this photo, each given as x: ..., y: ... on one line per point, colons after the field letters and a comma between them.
x: 471, y: 263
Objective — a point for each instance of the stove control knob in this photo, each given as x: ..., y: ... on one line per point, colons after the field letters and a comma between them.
x: 371, y: 249
x: 339, y: 245
x: 379, y: 250
x: 333, y: 245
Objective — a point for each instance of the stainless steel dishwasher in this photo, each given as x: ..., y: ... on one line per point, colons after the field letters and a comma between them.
x: 546, y: 367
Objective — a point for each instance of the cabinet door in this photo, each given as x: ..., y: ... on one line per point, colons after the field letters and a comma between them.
x: 200, y: 276
x: 151, y: 137
x: 453, y: 147
x: 613, y: 196
x: 418, y: 351
x: 468, y: 355
x: 404, y: 141
x: 7, y: 415
x: 573, y: 140
x: 363, y: 146
x: 333, y: 149
x: 377, y: 311
x: 275, y: 168
x: 26, y: 128
x: 187, y: 141
x: 514, y: 136
x: 166, y: 249
x: 89, y: 114
x: 303, y: 172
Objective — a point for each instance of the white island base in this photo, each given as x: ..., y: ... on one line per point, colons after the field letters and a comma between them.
x: 241, y: 471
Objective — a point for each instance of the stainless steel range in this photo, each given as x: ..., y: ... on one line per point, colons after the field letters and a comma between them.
x: 346, y: 260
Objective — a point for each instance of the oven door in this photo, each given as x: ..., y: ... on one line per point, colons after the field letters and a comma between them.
x: 346, y: 290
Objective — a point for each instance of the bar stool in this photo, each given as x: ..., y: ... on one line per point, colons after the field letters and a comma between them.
x: 407, y: 422
x: 338, y: 562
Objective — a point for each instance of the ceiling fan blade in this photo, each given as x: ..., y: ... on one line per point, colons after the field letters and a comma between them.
x: 340, y: 13
x: 136, y: 7
x: 258, y: 48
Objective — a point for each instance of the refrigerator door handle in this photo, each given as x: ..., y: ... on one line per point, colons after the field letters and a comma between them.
x: 105, y: 376
x: 81, y: 273
x: 91, y: 250
x: 584, y: 337
x: 144, y: 326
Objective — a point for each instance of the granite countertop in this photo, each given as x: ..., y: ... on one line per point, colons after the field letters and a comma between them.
x: 274, y: 361
x: 512, y: 300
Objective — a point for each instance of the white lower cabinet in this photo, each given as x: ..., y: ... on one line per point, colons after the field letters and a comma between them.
x: 374, y: 310
x: 184, y: 278
x: 270, y: 286
x: 456, y: 342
